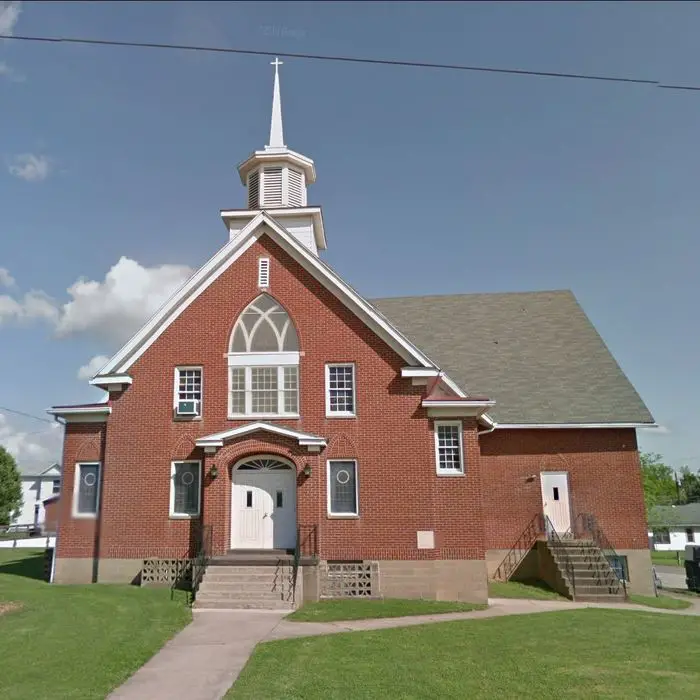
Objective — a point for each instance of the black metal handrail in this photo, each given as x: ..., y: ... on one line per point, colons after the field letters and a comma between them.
x: 586, y: 525
x: 200, y: 556
x: 522, y: 546
x: 306, y: 546
x: 559, y: 548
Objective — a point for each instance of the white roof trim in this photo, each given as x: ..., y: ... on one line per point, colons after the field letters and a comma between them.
x: 552, y: 426
x: 217, y: 439
x: 211, y: 270
x: 111, y: 379
x: 420, y: 372
x: 451, y: 403
x: 81, y: 414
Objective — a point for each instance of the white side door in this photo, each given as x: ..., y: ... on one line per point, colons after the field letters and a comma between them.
x: 283, y: 519
x: 555, y: 499
x: 251, y: 526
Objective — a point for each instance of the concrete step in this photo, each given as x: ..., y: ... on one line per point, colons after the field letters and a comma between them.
x: 238, y: 604
x: 600, y: 598
x: 595, y: 590
x: 248, y: 587
x: 234, y: 575
x: 242, y: 595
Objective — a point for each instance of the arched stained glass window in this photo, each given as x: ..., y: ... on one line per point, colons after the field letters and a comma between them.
x: 264, y: 362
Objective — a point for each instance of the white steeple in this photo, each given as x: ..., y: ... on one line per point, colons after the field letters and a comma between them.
x: 276, y: 130
x: 277, y: 178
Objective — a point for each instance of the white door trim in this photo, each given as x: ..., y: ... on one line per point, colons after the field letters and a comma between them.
x: 263, y: 504
x: 556, y: 499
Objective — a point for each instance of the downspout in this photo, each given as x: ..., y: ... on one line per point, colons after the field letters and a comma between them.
x: 52, y: 575
x: 487, y: 431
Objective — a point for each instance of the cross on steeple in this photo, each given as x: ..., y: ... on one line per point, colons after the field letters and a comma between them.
x: 276, y: 131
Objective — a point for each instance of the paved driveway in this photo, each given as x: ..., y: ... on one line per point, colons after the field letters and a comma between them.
x: 671, y: 576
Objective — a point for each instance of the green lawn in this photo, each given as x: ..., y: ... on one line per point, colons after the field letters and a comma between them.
x: 331, y: 610
x: 667, y: 558
x: 536, y: 590
x: 578, y: 654
x: 663, y: 601
x: 76, y: 642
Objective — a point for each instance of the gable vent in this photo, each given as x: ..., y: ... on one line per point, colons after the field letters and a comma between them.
x: 253, y: 190
x: 263, y: 272
x: 295, y: 188
x: 272, y: 187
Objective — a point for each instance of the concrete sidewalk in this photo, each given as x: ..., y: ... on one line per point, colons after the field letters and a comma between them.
x: 203, y: 661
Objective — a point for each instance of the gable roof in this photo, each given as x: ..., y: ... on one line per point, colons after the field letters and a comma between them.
x: 52, y: 471
x: 681, y: 516
x: 535, y: 353
x: 262, y: 224
x: 218, y: 439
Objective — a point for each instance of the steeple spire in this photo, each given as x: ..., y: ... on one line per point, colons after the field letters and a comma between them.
x: 276, y: 131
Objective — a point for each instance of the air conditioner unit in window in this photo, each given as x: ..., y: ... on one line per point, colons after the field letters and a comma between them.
x: 189, y: 407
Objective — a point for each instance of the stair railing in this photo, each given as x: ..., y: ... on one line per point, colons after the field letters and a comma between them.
x: 586, y: 525
x: 559, y: 548
x: 522, y: 546
x: 306, y: 546
x: 202, y: 555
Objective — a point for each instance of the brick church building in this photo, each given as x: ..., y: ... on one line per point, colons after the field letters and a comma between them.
x: 425, y: 438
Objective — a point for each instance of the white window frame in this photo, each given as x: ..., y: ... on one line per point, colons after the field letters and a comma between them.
x: 329, y: 510
x: 171, y: 509
x: 246, y: 361
x: 77, y: 477
x: 341, y: 414
x: 449, y: 472
x: 54, y: 489
x: 176, y: 391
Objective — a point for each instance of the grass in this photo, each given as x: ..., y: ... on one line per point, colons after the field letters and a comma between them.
x: 577, y: 654
x: 76, y: 642
x: 535, y: 590
x: 663, y: 601
x: 667, y: 558
x: 332, y: 610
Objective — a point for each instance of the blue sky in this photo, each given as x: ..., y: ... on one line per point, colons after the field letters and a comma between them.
x: 118, y: 160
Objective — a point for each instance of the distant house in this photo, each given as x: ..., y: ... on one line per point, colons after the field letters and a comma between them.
x: 38, y: 484
x: 671, y: 528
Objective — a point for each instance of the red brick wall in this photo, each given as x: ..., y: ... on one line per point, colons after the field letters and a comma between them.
x: 604, y: 479
x: 391, y: 438
x: 51, y: 514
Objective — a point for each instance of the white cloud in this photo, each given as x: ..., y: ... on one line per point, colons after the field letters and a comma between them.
x: 33, y: 305
x: 29, y: 167
x: 89, y: 370
x: 114, y: 309
x: 6, y: 279
x: 9, y: 14
x: 32, y: 448
x: 7, y: 71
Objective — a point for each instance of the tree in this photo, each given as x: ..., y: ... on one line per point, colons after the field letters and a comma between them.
x: 690, y: 486
x: 659, y: 481
x: 10, y: 487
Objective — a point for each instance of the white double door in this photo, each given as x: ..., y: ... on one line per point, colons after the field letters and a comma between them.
x: 263, y: 512
x: 555, y: 499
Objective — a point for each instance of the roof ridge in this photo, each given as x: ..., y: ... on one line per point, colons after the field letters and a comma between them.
x: 474, y: 294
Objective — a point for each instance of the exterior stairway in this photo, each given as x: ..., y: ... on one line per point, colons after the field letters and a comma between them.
x: 584, y: 562
x: 248, y: 580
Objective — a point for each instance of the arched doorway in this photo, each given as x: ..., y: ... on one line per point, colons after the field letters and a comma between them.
x: 263, y: 503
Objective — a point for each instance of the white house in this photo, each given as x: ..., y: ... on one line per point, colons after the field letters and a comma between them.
x: 38, y: 484
x: 673, y: 527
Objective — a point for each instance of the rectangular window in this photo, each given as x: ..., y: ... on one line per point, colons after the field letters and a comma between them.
x: 662, y: 536
x: 690, y: 534
x: 86, y: 489
x: 448, y: 447
x: 340, y: 390
x: 188, y: 391
x: 55, y: 487
x: 263, y: 272
x: 619, y: 565
x: 268, y: 391
x: 342, y: 487
x: 185, y: 478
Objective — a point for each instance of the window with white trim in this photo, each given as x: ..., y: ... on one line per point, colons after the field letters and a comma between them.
x: 188, y: 388
x: 263, y: 272
x: 342, y: 487
x: 264, y: 362
x: 449, y: 456
x: 340, y: 389
x: 55, y: 487
x: 86, y: 489
x: 185, y: 481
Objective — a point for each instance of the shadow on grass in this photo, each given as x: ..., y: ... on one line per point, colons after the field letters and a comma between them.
x: 31, y: 566
x: 536, y: 583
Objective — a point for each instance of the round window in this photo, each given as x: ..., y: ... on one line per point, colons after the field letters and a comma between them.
x: 342, y: 476
x: 187, y: 478
x: 89, y: 479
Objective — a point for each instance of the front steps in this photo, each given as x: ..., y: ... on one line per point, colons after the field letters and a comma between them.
x: 594, y: 581
x: 248, y: 580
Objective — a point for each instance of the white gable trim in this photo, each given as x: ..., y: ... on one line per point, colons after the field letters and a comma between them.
x: 223, y: 259
x: 218, y: 439
x: 571, y: 426
x: 104, y: 382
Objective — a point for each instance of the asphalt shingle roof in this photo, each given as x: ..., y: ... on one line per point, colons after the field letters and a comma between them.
x: 686, y: 515
x: 536, y: 353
